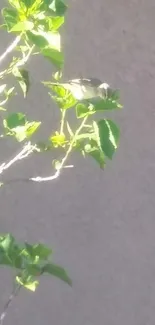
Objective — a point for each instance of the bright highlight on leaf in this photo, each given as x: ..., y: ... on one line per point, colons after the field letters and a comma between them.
x: 16, y: 125
x: 22, y: 26
x: 109, y: 136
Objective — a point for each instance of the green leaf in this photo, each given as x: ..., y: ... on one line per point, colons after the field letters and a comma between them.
x: 57, y: 75
x: 7, y: 94
x: 58, y: 140
x: 45, y: 39
x: 109, y: 136
x: 106, y: 104
x: 52, y: 23
x: 24, y: 132
x: 110, y: 102
x: 54, y: 56
x: 37, y: 39
x: 2, y: 88
x: 84, y: 110
x: 14, y: 120
x: 56, y: 164
x: 11, y: 17
x: 19, y: 127
x: 6, y: 242
x: 39, y: 250
x: 34, y: 270
x: 22, y: 76
x: 22, y: 26
x: 53, y: 40
x: 58, y: 7
x: 63, y: 97
x: 15, y: 4
x: 9, y: 251
x: 28, y: 3
x: 29, y: 283
x: 88, y: 144
x: 94, y: 151
x: 31, y: 128
x: 57, y: 271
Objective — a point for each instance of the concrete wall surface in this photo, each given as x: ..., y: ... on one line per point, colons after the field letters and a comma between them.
x: 101, y: 225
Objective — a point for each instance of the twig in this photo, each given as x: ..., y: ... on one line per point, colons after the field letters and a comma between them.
x: 7, y: 304
x: 40, y: 179
x: 62, y: 121
x: 25, y: 152
x: 10, y: 48
x: 25, y: 58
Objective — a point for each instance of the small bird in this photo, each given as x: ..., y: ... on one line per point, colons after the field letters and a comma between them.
x: 83, y: 88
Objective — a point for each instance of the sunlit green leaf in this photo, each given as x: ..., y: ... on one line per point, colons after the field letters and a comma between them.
x: 28, y: 3
x: 6, y: 94
x: 35, y: 6
x: 17, y: 125
x: 15, y: 4
x: 56, y: 164
x: 10, y: 91
x: 2, y: 87
x: 58, y: 140
x: 39, y: 250
x: 109, y: 136
x: 110, y: 102
x: 34, y: 269
x: 58, y: 7
x: 29, y: 283
x: 24, y: 132
x: 53, y: 40
x: 22, y: 26
x: 63, y: 97
x: 14, y: 120
x: 88, y: 145
x: 54, y: 56
x: 6, y: 241
x: 9, y: 251
x: 57, y: 271
x: 22, y: 76
x: 11, y: 17
x: 31, y: 128
x: 37, y: 39
x: 57, y: 75
x: 52, y: 23
x: 107, y: 104
x: 83, y: 110
x: 19, y: 133
x: 45, y: 39
x: 94, y: 151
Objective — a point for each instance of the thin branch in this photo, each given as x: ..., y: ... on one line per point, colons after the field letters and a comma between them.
x: 25, y: 152
x: 26, y: 57
x: 29, y: 149
x: 14, y: 293
x: 10, y: 48
x: 62, y: 121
